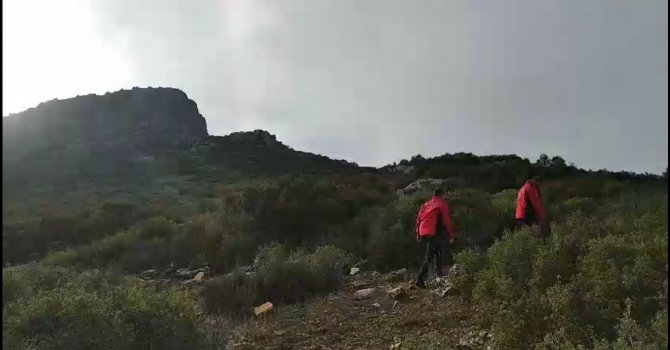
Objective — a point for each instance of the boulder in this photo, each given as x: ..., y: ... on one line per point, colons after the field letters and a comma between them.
x: 421, y: 184
x: 363, y: 293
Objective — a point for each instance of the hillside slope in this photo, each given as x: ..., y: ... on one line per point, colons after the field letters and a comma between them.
x: 134, y: 141
x: 170, y: 238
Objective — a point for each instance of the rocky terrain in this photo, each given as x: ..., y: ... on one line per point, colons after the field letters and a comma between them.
x: 371, y: 311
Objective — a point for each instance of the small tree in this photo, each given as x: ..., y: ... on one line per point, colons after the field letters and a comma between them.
x: 558, y: 162
x: 543, y: 161
x: 417, y: 159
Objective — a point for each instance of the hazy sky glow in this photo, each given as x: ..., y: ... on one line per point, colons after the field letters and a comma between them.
x: 371, y: 81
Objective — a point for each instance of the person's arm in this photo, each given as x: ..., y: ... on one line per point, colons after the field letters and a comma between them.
x: 418, y: 221
x: 446, y: 220
x: 520, y: 205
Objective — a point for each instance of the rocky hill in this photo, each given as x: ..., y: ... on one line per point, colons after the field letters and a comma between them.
x: 128, y: 121
x: 135, y: 140
x: 62, y: 143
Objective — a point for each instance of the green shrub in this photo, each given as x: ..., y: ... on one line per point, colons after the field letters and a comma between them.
x: 107, y: 251
x: 29, y: 239
x: 67, y: 257
x: 630, y: 335
x: 94, y: 310
x: 13, y: 286
x: 134, y: 250
x: 392, y: 242
x: 281, y: 276
x: 292, y: 277
x: 471, y: 263
x: 477, y: 219
x: 234, y: 293
x: 572, y: 289
x: 156, y: 227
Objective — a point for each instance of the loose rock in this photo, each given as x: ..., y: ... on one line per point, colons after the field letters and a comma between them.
x: 199, y: 277
x: 475, y: 340
x: 360, y: 284
x: 354, y: 270
x: 454, y: 272
x: 148, y: 273
x: 442, y: 287
x: 184, y: 273
x: 363, y: 293
x: 397, y: 293
x: 263, y: 308
x: 446, y: 291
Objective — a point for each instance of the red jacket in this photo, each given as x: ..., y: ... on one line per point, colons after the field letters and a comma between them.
x: 426, y: 221
x: 529, y: 203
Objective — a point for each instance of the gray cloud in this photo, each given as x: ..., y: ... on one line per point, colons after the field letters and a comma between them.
x: 375, y: 81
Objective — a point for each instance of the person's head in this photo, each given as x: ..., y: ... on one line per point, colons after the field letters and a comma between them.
x: 438, y: 192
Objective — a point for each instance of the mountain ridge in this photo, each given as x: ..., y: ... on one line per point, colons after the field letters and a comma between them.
x: 135, y: 138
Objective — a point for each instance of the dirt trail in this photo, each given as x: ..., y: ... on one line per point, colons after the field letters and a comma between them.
x: 338, y: 321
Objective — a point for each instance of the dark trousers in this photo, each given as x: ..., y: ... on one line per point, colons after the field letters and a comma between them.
x: 434, y: 256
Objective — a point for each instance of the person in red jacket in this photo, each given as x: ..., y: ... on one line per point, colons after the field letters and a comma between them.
x: 431, y: 223
x: 529, y: 207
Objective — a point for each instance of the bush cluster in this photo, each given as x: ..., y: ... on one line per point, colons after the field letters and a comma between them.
x: 57, y: 308
x: 280, y: 276
x: 599, y: 279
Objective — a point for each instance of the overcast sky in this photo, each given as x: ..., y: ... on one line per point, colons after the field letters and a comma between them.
x: 371, y: 81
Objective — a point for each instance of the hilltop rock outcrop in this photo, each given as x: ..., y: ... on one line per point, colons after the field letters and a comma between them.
x: 127, y: 122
